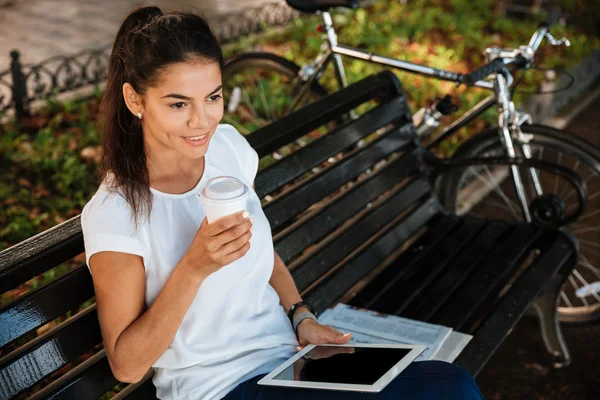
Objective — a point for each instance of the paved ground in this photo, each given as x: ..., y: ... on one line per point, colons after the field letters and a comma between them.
x: 45, y: 28
x: 521, y: 367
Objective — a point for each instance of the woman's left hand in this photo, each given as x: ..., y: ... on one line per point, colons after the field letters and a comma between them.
x: 311, y: 332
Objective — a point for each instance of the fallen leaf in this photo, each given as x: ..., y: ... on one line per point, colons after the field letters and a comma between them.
x: 24, y: 183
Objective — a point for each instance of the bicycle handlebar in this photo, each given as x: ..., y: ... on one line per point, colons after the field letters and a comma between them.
x: 520, y: 57
x: 480, y: 73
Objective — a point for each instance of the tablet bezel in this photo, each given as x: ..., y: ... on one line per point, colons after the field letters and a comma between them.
x: 381, y: 383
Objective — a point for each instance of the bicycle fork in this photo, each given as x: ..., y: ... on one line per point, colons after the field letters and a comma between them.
x: 509, y: 128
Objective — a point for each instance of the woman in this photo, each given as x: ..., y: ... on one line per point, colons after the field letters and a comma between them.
x: 204, y: 304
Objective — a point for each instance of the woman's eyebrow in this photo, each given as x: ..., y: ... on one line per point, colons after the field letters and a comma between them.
x: 177, y: 96
x: 216, y: 90
x: 182, y: 97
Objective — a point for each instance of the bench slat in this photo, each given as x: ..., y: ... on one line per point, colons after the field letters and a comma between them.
x: 488, y: 279
x: 268, y: 139
x: 90, y: 379
x: 409, y: 286
x: 456, y: 273
x: 436, y: 232
x: 292, y: 203
x: 360, y: 232
x: 302, y: 161
x: 339, y: 282
x: 26, y: 366
x: 352, y: 201
x: 40, y: 253
x: 512, y: 307
x: 43, y: 305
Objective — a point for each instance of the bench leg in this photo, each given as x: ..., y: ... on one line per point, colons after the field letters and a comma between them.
x: 545, y: 307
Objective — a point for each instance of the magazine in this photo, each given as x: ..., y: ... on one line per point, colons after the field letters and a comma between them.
x: 368, y: 326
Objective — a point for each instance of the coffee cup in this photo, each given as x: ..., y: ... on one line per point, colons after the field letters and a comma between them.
x: 222, y: 196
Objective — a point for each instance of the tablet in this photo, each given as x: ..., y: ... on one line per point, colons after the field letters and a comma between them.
x: 354, y: 367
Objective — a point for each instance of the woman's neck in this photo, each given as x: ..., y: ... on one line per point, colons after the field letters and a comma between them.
x: 170, y: 172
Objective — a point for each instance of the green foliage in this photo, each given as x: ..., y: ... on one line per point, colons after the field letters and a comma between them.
x: 43, y: 177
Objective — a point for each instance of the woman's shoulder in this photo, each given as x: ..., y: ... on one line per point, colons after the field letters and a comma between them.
x: 106, y: 207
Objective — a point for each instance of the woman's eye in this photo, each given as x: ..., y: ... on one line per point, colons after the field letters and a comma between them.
x: 215, y: 97
x: 178, y: 106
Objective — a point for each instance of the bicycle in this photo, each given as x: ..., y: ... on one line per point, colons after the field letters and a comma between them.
x: 481, y: 190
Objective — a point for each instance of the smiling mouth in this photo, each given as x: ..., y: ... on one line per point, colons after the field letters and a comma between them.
x: 194, y: 138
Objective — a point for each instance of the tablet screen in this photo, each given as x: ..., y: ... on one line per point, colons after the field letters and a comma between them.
x: 351, y: 365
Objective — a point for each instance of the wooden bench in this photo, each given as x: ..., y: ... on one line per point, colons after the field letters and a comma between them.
x: 365, y: 228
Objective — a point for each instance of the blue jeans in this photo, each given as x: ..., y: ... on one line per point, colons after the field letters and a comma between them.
x: 427, y: 380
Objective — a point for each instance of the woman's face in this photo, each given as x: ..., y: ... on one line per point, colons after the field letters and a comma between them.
x: 182, y: 112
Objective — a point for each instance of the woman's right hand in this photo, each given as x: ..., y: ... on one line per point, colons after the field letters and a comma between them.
x: 220, y: 243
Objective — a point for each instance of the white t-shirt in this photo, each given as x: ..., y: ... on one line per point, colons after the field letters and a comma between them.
x: 235, y: 328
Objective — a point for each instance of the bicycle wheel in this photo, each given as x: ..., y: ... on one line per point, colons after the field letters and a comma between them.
x: 259, y: 88
x: 488, y: 192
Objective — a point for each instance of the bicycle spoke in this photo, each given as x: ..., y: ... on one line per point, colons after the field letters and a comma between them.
x: 566, y: 299
x: 567, y: 187
x: 495, y: 189
x: 585, y: 181
x: 586, y: 230
x: 556, y: 176
x: 585, y: 283
x: 588, y: 243
x: 583, y: 299
x: 595, y: 253
x: 586, y: 263
x: 247, y: 100
x: 496, y: 204
x: 501, y: 193
x: 264, y: 100
x: 588, y: 215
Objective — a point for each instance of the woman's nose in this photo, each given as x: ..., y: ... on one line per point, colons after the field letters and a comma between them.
x: 199, y: 119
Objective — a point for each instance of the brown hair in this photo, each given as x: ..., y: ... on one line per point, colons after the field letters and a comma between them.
x: 147, y: 42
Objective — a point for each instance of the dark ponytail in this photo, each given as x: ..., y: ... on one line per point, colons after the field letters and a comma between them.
x: 147, y: 42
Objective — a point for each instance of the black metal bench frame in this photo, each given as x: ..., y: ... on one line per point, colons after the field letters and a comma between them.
x: 367, y: 229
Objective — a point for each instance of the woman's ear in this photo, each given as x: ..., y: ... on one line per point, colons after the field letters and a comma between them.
x: 132, y: 100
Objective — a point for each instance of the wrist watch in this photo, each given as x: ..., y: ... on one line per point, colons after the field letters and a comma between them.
x: 299, y: 304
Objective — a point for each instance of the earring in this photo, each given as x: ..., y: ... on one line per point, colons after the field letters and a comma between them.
x: 139, y: 114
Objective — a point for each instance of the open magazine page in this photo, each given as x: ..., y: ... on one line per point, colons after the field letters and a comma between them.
x: 372, y: 327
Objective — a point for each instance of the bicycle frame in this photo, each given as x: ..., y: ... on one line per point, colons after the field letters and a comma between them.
x: 509, y: 119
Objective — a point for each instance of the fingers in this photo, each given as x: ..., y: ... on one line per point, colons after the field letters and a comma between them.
x: 234, y: 233
x: 343, y: 338
x: 231, y: 257
x: 334, y: 336
x: 227, y: 222
x: 236, y: 244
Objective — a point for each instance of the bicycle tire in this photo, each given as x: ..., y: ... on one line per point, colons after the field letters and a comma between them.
x: 268, y: 63
x: 542, y: 138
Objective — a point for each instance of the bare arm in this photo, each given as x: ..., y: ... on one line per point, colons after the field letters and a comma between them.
x: 135, y: 338
x: 284, y: 285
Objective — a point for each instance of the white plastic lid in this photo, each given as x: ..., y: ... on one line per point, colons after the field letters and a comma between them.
x: 223, y: 188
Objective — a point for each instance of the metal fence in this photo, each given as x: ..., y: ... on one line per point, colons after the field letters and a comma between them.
x: 22, y: 84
